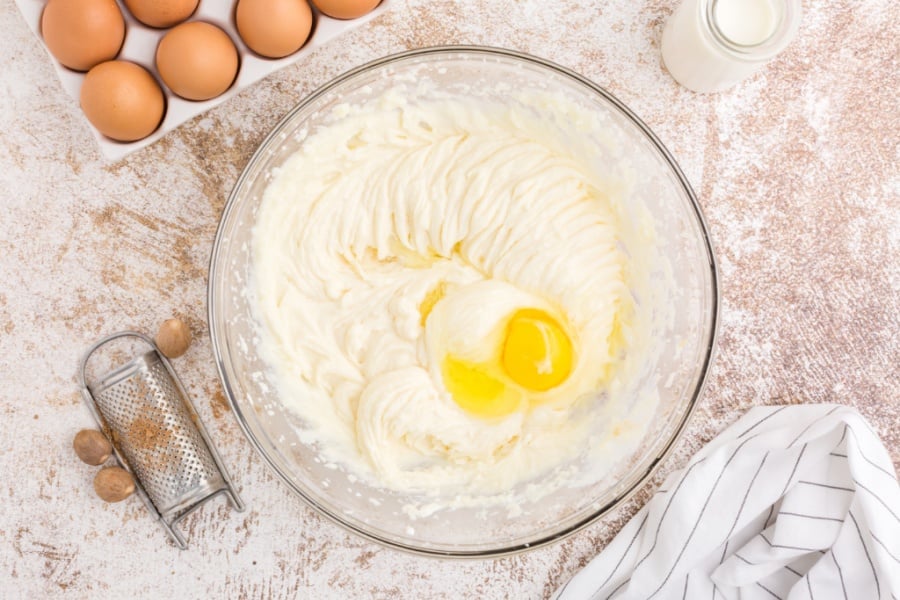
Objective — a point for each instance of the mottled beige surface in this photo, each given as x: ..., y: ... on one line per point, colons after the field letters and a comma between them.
x: 796, y: 169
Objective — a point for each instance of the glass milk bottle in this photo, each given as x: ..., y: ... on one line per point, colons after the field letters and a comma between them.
x: 710, y: 45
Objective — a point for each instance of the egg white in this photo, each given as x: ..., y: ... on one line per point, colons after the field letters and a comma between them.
x: 469, y: 324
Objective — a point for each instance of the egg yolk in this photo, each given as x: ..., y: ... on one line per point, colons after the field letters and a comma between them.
x: 477, y: 391
x: 537, y: 353
x: 535, y: 356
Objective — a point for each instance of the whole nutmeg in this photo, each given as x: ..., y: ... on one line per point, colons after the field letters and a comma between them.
x: 173, y: 338
x: 92, y: 447
x: 113, y: 484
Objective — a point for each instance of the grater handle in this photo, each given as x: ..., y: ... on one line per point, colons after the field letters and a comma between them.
x: 101, y: 342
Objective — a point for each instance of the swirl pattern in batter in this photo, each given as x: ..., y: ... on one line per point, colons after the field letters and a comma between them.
x: 442, y: 293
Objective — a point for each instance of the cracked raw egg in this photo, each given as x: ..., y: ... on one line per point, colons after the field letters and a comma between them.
x: 498, y: 349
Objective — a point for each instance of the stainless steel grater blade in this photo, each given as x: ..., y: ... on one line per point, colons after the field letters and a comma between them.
x: 157, y: 435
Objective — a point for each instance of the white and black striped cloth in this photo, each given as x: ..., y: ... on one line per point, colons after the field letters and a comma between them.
x: 791, y: 502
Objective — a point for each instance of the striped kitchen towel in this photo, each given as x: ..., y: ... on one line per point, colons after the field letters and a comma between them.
x: 791, y: 502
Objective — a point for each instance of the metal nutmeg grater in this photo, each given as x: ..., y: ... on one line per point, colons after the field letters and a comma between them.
x: 156, y: 435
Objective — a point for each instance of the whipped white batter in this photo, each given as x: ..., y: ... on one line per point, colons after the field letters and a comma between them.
x: 494, y: 205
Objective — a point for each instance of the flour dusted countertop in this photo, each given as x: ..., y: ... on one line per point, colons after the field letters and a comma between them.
x: 796, y: 170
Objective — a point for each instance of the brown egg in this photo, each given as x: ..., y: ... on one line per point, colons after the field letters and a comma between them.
x: 82, y: 33
x: 122, y: 100
x: 161, y: 13
x: 346, y: 9
x: 197, y: 60
x: 273, y: 28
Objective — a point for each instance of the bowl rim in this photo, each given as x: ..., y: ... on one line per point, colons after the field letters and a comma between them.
x: 715, y: 297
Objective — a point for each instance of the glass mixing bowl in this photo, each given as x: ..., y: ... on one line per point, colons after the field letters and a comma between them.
x: 685, y: 335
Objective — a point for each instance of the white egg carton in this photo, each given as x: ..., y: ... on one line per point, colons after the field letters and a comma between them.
x: 140, y: 47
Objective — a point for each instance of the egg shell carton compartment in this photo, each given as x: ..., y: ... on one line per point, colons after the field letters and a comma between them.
x: 140, y: 47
